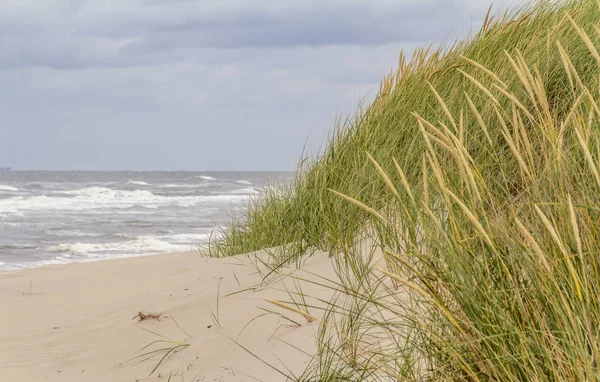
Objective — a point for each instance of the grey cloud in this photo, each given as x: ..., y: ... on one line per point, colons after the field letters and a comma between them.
x: 82, y: 34
x: 187, y: 84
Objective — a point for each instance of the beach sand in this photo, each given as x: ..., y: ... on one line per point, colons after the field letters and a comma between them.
x: 76, y: 323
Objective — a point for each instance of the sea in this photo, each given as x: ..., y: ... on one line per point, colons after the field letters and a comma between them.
x: 56, y: 217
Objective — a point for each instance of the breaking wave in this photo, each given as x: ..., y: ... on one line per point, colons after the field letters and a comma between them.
x: 8, y: 188
x: 246, y: 191
x: 104, y: 198
x: 142, y: 244
x: 137, y: 183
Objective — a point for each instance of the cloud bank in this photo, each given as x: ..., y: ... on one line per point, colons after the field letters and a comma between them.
x: 208, y: 84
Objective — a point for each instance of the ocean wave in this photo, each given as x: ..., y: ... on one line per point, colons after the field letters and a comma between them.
x: 180, y: 185
x: 142, y: 244
x: 8, y: 188
x: 10, y: 224
x: 187, y: 238
x: 89, y: 252
x: 205, y: 177
x: 121, y: 235
x: 243, y: 182
x: 34, y: 186
x: 93, y: 198
x: 246, y: 191
x: 102, y: 193
x: 71, y: 233
x: 137, y: 183
x: 32, y: 264
x: 16, y: 246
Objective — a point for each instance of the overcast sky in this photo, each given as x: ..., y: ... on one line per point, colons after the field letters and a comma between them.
x: 198, y: 84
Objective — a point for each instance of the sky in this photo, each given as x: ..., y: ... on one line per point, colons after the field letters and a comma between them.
x: 199, y: 84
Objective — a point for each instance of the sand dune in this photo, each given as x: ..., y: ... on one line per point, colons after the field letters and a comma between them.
x: 76, y: 323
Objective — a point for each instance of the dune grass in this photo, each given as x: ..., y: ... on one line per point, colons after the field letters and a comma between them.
x: 305, y: 214
x: 475, y: 172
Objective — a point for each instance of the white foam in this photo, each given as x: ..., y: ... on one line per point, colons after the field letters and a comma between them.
x: 75, y: 257
x: 137, y: 182
x: 243, y: 182
x: 188, y: 238
x: 94, y: 198
x: 103, y: 193
x: 205, y: 177
x: 73, y: 233
x: 8, y: 188
x: 10, y: 224
x: 142, y: 244
x: 246, y: 191
x: 33, y: 264
x: 180, y: 185
x: 122, y: 235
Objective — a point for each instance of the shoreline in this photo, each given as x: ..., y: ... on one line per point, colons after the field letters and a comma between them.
x: 76, y: 321
x: 202, y: 252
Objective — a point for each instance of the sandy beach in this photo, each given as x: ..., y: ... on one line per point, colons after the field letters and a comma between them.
x: 77, y: 322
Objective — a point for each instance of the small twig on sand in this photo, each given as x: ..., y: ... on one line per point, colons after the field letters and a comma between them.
x: 147, y: 316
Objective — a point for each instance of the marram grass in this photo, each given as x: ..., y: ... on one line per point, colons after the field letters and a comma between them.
x: 462, y: 77
x: 476, y: 173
